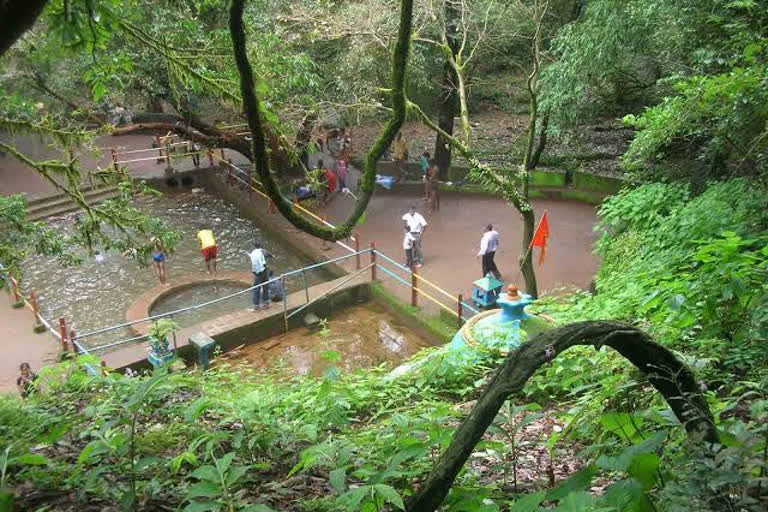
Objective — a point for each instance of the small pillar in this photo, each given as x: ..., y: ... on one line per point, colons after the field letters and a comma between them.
x: 203, y: 346
x: 16, y: 300
x: 39, y: 327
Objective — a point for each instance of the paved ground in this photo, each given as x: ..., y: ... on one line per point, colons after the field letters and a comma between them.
x: 16, y: 178
x: 21, y: 344
x: 452, y: 238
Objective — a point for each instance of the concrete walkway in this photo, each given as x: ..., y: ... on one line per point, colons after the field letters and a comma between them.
x: 20, y: 344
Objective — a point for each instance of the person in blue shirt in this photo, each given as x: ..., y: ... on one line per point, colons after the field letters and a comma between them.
x: 425, y: 158
x: 258, y: 258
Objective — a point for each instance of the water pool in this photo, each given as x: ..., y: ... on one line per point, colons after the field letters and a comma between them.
x: 96, y: 295
x: 363, y: 336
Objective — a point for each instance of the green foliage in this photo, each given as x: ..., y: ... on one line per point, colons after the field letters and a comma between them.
x: 160, y: 329
x: 697, y: 68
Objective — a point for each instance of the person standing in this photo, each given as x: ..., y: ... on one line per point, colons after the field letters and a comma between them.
x: 158, y: 260
x: 425, y: 163
x: 258, y: 258
x: 416, y: 225
x: 196, y: 154
x: 488, y: 245
x: 342, y: 165
x: 433, y: 187
x: 408, y: 247
x: 400, y: 151
x: 208, y: 248
x: 26, y: 380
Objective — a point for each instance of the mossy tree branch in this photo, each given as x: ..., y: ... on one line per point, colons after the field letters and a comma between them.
x: 261, y: 157
x: 665, y: 372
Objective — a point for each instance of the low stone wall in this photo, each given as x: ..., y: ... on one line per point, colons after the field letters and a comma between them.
x: 545, y: 184
x: 244, y: 326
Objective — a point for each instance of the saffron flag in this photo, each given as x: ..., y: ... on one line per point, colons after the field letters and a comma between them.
x: 540, y: 237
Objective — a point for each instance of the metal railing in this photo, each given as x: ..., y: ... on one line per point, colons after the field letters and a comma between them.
x: 39, y: 320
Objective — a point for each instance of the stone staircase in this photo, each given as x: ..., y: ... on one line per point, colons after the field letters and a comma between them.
x: 43, y: 207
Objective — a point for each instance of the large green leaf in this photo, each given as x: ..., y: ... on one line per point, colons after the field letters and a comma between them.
x: 529, y: 502
x: 390, y: 494
x: 204, y: 490
x: 338, y: 479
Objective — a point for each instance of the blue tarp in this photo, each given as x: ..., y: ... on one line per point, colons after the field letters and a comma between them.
x: 385, y: 181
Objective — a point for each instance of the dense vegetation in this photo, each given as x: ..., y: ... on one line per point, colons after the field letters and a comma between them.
x: 691, y: 271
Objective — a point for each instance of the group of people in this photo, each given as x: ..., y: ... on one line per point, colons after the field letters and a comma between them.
x: 265, y: 287
x: 414, y: 226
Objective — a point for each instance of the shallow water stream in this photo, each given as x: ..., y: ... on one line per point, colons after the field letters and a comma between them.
x: 96, y: 295
x: 363, y: 336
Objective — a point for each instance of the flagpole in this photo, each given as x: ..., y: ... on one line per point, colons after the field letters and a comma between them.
x: 541, y: 219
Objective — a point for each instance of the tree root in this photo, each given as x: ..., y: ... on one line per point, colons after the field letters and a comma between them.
x: 667, y: 374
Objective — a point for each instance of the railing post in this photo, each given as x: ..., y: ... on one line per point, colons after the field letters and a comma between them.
x: 18, y: 302
x: 460, y: 310
x: 114, y: 159
x: 285, y: 302
x: 373, y: 261
x: 63, y: 333
x: 72, y: 337
x: 414, y: 287
x: 39, y: 327
x: 357, y: 250
x: 168, y: 162
x: 210, y: 157
x: 306, y: 288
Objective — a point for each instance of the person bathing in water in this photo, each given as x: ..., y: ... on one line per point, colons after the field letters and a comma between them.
x: 158, y: 260
x: 208, y: 249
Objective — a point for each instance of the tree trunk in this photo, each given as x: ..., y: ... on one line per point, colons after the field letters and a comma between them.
x: 16, y: 17
x: 449, y: 99
x: 536, y: 156
x: 526, y: 265
x: 665, y: 372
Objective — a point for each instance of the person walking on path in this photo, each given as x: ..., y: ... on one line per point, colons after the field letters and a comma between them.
x: 433, y: 188
x: 400, y: 151
x: 26, y: 380
x: 208, y: 248
x: 416, y: 225
x: 408, y: 240
x: 488, y: 245
x: 158, y: 260
x: 342, y: 172
x: 258, y: 258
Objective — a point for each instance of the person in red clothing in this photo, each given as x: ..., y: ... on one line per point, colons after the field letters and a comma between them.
x: 330, y: 178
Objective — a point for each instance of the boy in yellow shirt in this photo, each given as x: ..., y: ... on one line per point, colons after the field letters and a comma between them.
x: 208, y: 248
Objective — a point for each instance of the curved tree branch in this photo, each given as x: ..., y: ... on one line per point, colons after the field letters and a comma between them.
x: 667, y: 374
x: 261, y: 158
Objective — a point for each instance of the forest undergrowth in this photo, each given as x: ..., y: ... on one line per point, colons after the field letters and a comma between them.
x: 587, y: 433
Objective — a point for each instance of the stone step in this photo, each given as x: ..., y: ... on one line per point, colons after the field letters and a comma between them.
x: 65, y: 204
x: 85, y: 189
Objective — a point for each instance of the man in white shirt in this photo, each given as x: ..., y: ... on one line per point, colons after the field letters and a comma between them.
x: 258, y: 258
x: 416, y: 225
x: 488, y: 245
